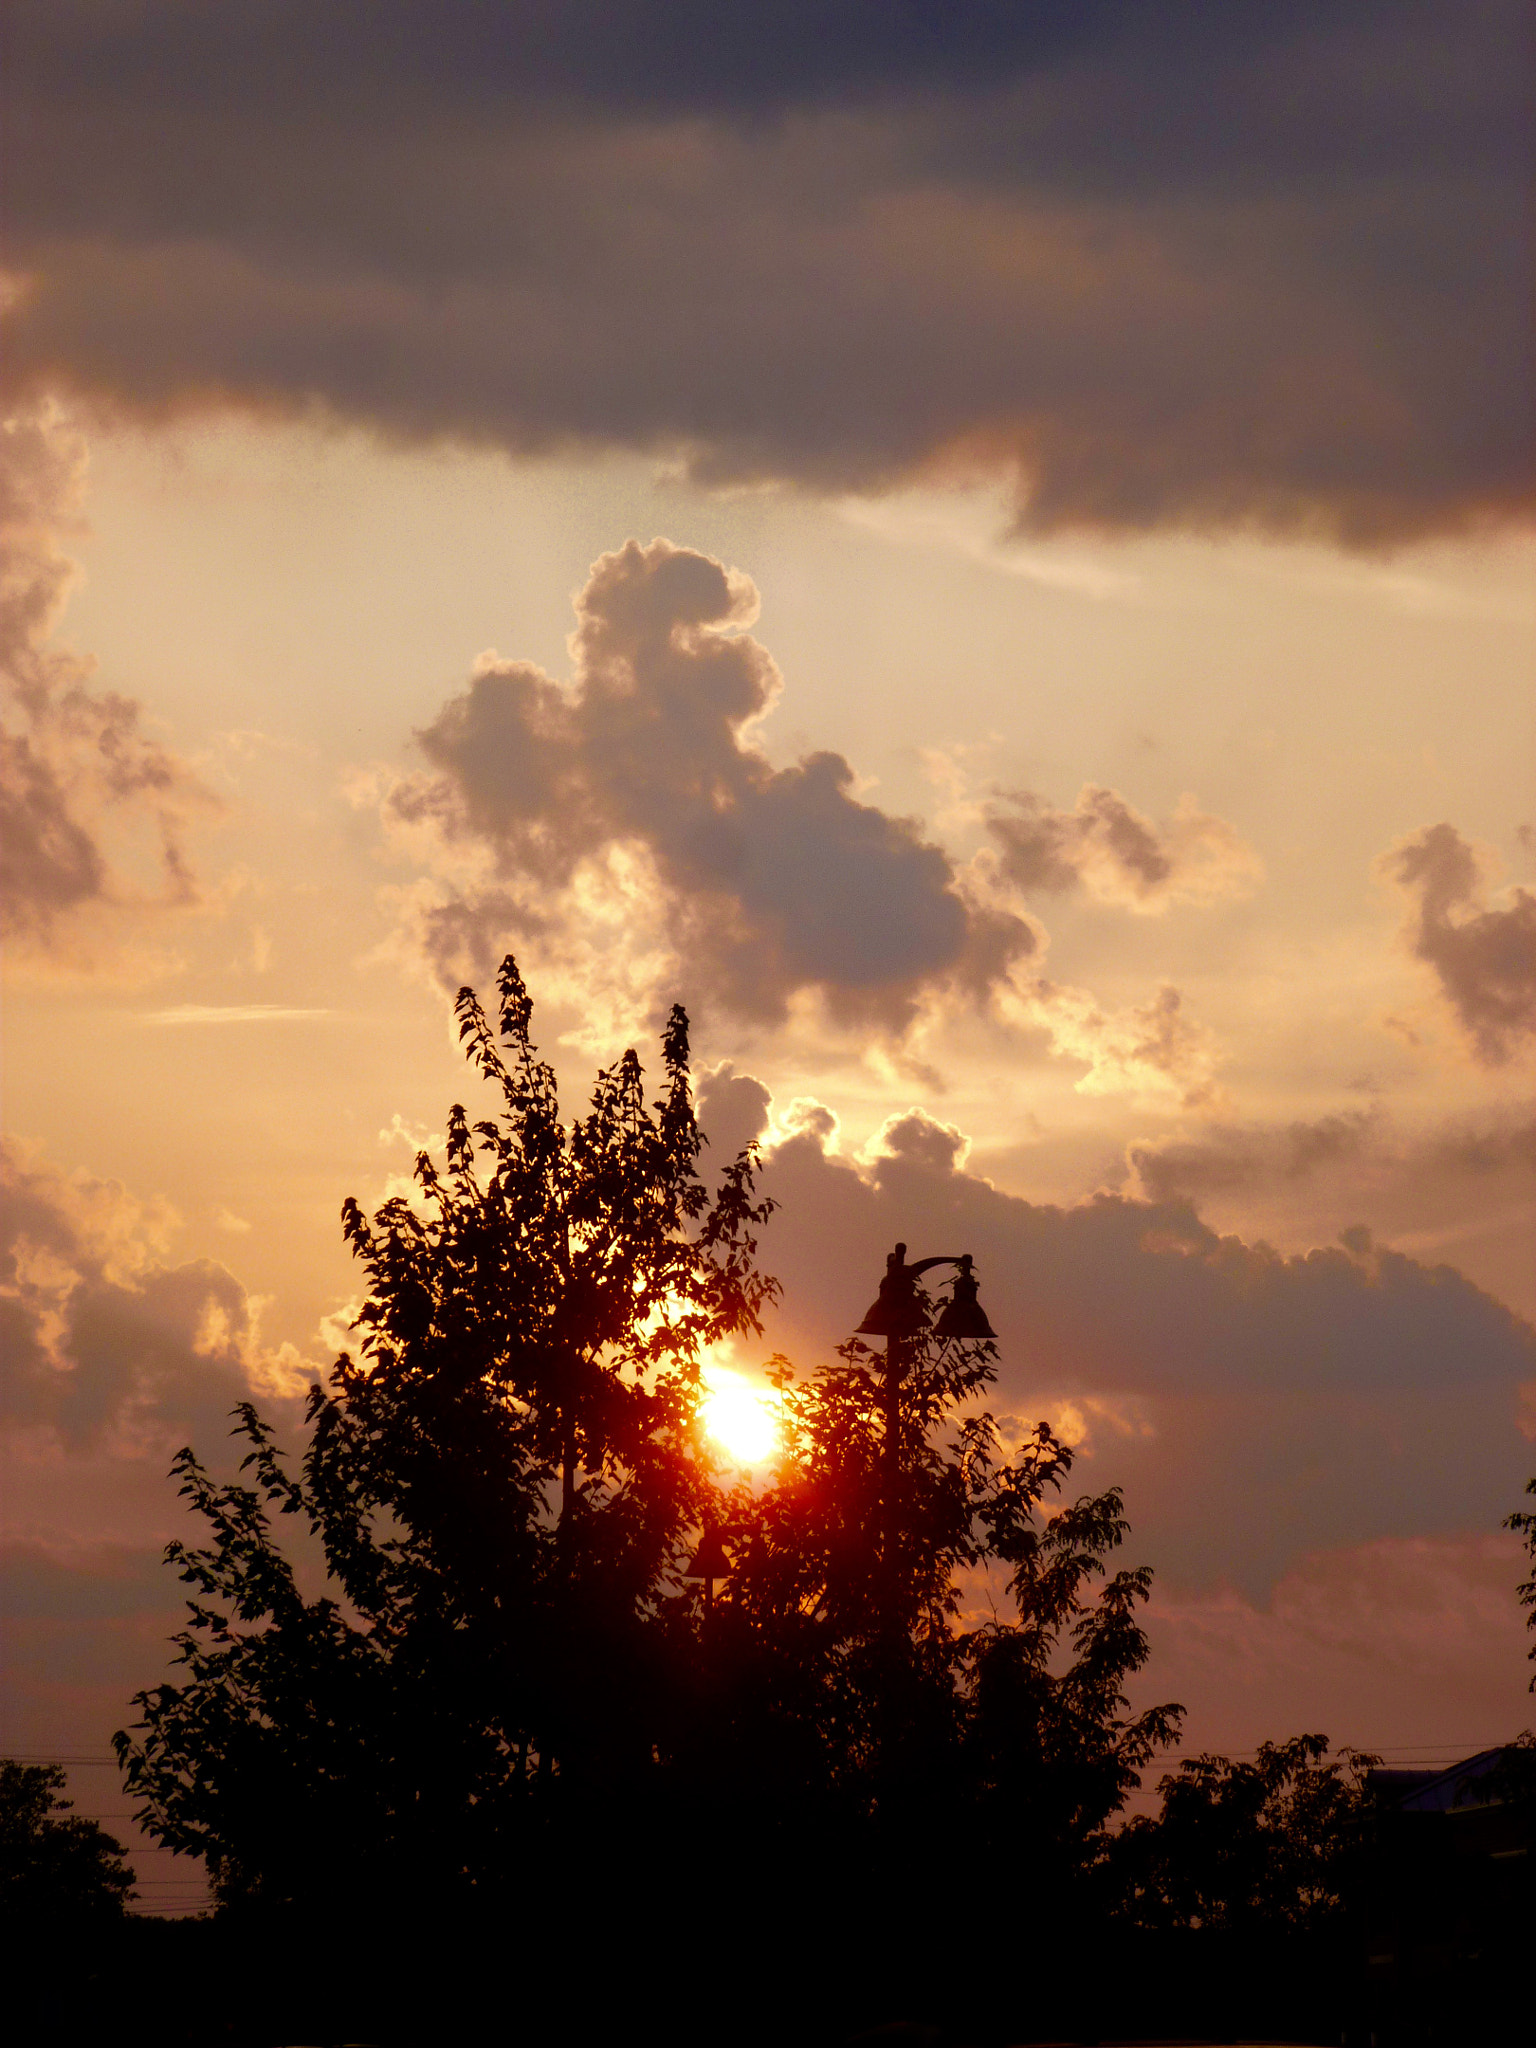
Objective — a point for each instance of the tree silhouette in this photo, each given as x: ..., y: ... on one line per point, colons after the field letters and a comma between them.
x: 880, y: 1687
x: 1268, y: 1846
x: 456, y: 1659
x: 54, y: 1866
x: 1524, y: 1524
x: 500, y: 1486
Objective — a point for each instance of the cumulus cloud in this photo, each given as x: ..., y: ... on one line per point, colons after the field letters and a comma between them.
x: 1464, y: 1190
x: 1184, y: 265
x: 108, y: 1346
x: 1237, y: 1158
x: 1187, y: 1169
x: 1110, y: 849
x: 762, y: 884
x: 1152, y: 1051
x: 733, y: 1109
x: 1143, y: 1296
x: 77, y: 768
x: 1484, y: 957
x: 1256, y: 1405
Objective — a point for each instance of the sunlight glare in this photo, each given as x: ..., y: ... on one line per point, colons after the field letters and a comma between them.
x: 739, y: 1413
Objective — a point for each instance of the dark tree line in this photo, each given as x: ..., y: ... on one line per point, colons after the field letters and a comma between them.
x: 54, y: 1865
x: 1523, y: 1522
x: 505, y: 1483
x: 453, y: 1673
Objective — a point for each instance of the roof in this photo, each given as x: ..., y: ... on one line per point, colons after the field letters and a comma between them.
x: 1439, y: 1791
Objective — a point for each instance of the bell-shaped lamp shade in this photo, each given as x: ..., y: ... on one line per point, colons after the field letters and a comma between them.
x: 899, y: 1310
x: 709, y: 1561
x: 896, y: 1317
x: 963, y: 1316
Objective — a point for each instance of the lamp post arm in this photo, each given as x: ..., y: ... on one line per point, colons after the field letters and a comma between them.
x: 950, y: 1259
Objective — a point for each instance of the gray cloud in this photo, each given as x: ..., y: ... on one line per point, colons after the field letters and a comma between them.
x: 1225, y: 1160
x: 75, y: 763
x: 1232, y: 1157
x: 1109, y: 847
x: 765, y: 882
x: 1174, y: 266
x: 104, y: 1342
x: 1257, y: 1406
x: 734, y: 1109
x: 1483, y: 958
x: 1463, y: 1191
x: 517, y: 53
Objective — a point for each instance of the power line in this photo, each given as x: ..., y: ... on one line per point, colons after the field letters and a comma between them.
x: 18, y: 1756
x: 1467, y: 1745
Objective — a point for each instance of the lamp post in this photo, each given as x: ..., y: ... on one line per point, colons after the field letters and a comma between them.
x: 898, y: 1314
x: 709, y: 1562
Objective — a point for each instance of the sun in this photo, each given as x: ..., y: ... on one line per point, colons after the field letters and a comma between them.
x: 739, y: 1414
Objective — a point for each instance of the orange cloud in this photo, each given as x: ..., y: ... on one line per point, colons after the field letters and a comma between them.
x: 76, y: 765
x: 1483, y: 956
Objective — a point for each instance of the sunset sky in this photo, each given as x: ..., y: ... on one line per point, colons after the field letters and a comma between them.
x: 985, y: 549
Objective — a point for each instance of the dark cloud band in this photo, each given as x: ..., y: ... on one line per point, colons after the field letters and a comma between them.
x: 1155, y: 266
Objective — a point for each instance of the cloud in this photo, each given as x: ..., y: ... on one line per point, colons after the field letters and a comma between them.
x: 1233, y: 1158
x: 1484, y: 958
x: 760, y: 885
x: 733, y: 1109
x: 1463, y: 1191
x: 1257, y: 1406
x: 1402, y: 1643
x: 107, y: 1345
x: 230, y: 1013
x: 76, y: 765
x: 919, y: 1138
x: 1176, y: 266
x: 1152, y: 1051
x: 1104, y: 845
x: 1185, y: 1169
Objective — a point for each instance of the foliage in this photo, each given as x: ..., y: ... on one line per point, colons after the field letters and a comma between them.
x: 500, y: 1487
x: 1524, y: 1524
x: 499, y: 1490
x: 1511, y: 1781
x: 1266, y: 1845
x: 53, y: 1864
x: 882, y: 1682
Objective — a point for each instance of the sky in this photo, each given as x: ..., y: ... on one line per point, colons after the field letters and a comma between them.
x: 986, y: 549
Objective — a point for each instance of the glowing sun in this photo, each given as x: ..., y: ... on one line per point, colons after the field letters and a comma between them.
x: 740, y: 1415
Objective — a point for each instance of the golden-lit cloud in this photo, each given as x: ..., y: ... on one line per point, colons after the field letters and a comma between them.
x: 108, y: 1344
x: 1344, y: 1393
x: 1110, y: 849
x: 1152, y: 1052
x: 637, y: 798
x: 94, y: 810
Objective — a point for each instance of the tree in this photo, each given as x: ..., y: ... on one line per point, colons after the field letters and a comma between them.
x: 880, y: 1690
x: 506, y: 1692
x: 54, y: 1866
x: 1524, y: 1524
x: 500, y: 1486
x: 1269, y: 1845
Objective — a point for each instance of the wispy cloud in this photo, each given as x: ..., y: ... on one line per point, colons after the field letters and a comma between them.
x: 228, y: 1013
x: 975, y: 524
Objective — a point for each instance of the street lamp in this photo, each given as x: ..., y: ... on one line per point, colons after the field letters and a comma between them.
x: 899, y: 1313
x: 709, y: 1562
